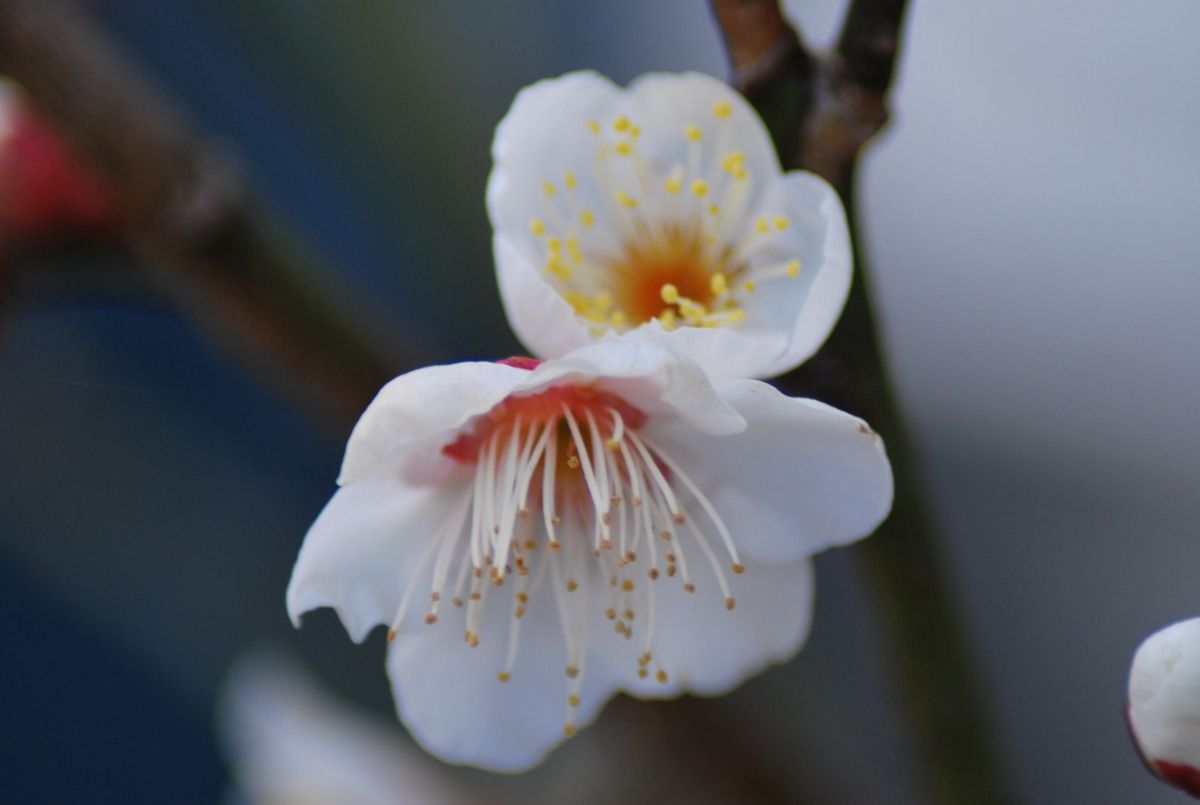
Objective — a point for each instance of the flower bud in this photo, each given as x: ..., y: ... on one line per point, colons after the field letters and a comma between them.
x: 1164, y: 704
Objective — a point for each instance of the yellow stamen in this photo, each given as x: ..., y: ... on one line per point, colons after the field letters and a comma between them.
x: 594, y: 126
x: 722, y: 109
x: 621, y: 123
x: 718, y: 284
x: 587, y: 218
x: 549, y: 188
x: 626, y: 200
x: 782, y: 222
x: 793, y: 268
x: 569, y: 180
x: 537, y: 227
x: 693, y: 132
x: 699, y: 188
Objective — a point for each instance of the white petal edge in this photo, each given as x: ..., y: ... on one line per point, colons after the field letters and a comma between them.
x: 418, y: 406
x: 362, y: 550
x: 802, y: 477
x: 658, y: 381
x: 537, y: 313
x: 828, y: 292
x: 707, y: 649
x: 449, y: 696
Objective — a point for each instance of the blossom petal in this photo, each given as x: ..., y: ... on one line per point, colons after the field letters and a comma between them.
x: 448, y: 694
x: 802, y: 477
x: 362, y: 550
x: 543, y: 135
x: 819, y: 226
x: 706, y: 648
x: 420, y: 406
x: 540, y: 317
x: 654, y: 379
x: 665, y: 103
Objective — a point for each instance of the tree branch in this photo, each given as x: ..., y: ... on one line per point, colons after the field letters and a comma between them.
x: 186, y: 211
x: 842, y: 103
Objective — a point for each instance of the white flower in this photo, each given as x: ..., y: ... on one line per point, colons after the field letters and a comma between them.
x: 661, y: 212
x: 1164, y: 704
x: 546, y: 528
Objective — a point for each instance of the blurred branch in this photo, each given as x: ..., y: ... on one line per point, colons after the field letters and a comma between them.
x: 822, y: 110
x: 186, y: 211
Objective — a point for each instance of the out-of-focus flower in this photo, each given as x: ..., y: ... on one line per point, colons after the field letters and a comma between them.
x: 528, y: 528
x: 290, y: 743
x: 1164, y: 704
x: 661, y: 213
x: 44, y: 188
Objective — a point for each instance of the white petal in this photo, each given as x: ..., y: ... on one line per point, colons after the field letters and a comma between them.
x: 659, y: 382
x: 665, y: 103
x: 450, y: 698
x: 708, y: 649
x: 822, y: 238
x: 538, y: 314
x: 362, y: 549
x: 747, y: 350
x: 543, y: 135
x: 1164, y: 695
x: 419, y: 407
x: 802, y: 477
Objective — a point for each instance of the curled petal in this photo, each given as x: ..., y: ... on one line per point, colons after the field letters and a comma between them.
x: 802, y: 477
x: 420, y: 405
x: 362, y: 550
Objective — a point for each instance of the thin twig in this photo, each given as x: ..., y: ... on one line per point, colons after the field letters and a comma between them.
x: 187, y: 213
x: 841, y: 104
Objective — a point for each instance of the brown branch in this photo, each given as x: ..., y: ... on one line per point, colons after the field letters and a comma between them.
x: 839, y: 104
x: 186, y: 211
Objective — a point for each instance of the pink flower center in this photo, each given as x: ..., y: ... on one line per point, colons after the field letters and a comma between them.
x: 567, y: 491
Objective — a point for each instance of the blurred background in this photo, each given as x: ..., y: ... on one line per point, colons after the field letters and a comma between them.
x: 1030, y: 219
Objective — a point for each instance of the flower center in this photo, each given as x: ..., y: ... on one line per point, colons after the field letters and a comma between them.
x: 673, y: 242
x: 567, y: 491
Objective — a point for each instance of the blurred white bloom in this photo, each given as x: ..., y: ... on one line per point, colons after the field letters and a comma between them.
x: 1164, y: 704
x: 290, y: 743
x: 661, y: 212
x: 543, y: 526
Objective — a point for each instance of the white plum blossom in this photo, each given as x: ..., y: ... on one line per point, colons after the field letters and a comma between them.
x: 661, y: 213
x: 1164, y: 704
x: 537, y: 536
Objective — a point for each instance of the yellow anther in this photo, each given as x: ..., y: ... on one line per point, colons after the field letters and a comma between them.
x: 722, y: 109
x: 642, y: 673
x: 714, y: 209
x: 793, y: 268
x: 627, y: 585
x: 748, y: 285
x: 626, y: 200
x: 621, y: 123
x: 634, y: 130
x: 667, y: 319
x: 762, y: 226
x: 732, y: 161
x: 549, y: 188
x: 558, y: 268
x: 623, y: 147
x: 603, y: 300
x: 699, y: 188
x: 693, y: 132
x: 594, y: 126
x: 504, y: 676
x: 569, y: 180
x: 669, y: 293
x: 587, y: 218
x: 554, y: 244
x: 537, y: 227
x: 617, y: 318
x: 673, y: 184
x: 718, y: 284
x: 569, y: 730
x: 781, y: 222
x: 574, y: 250
x: 573, y: 700
x: 661, y: 676
x: 740, y: 172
